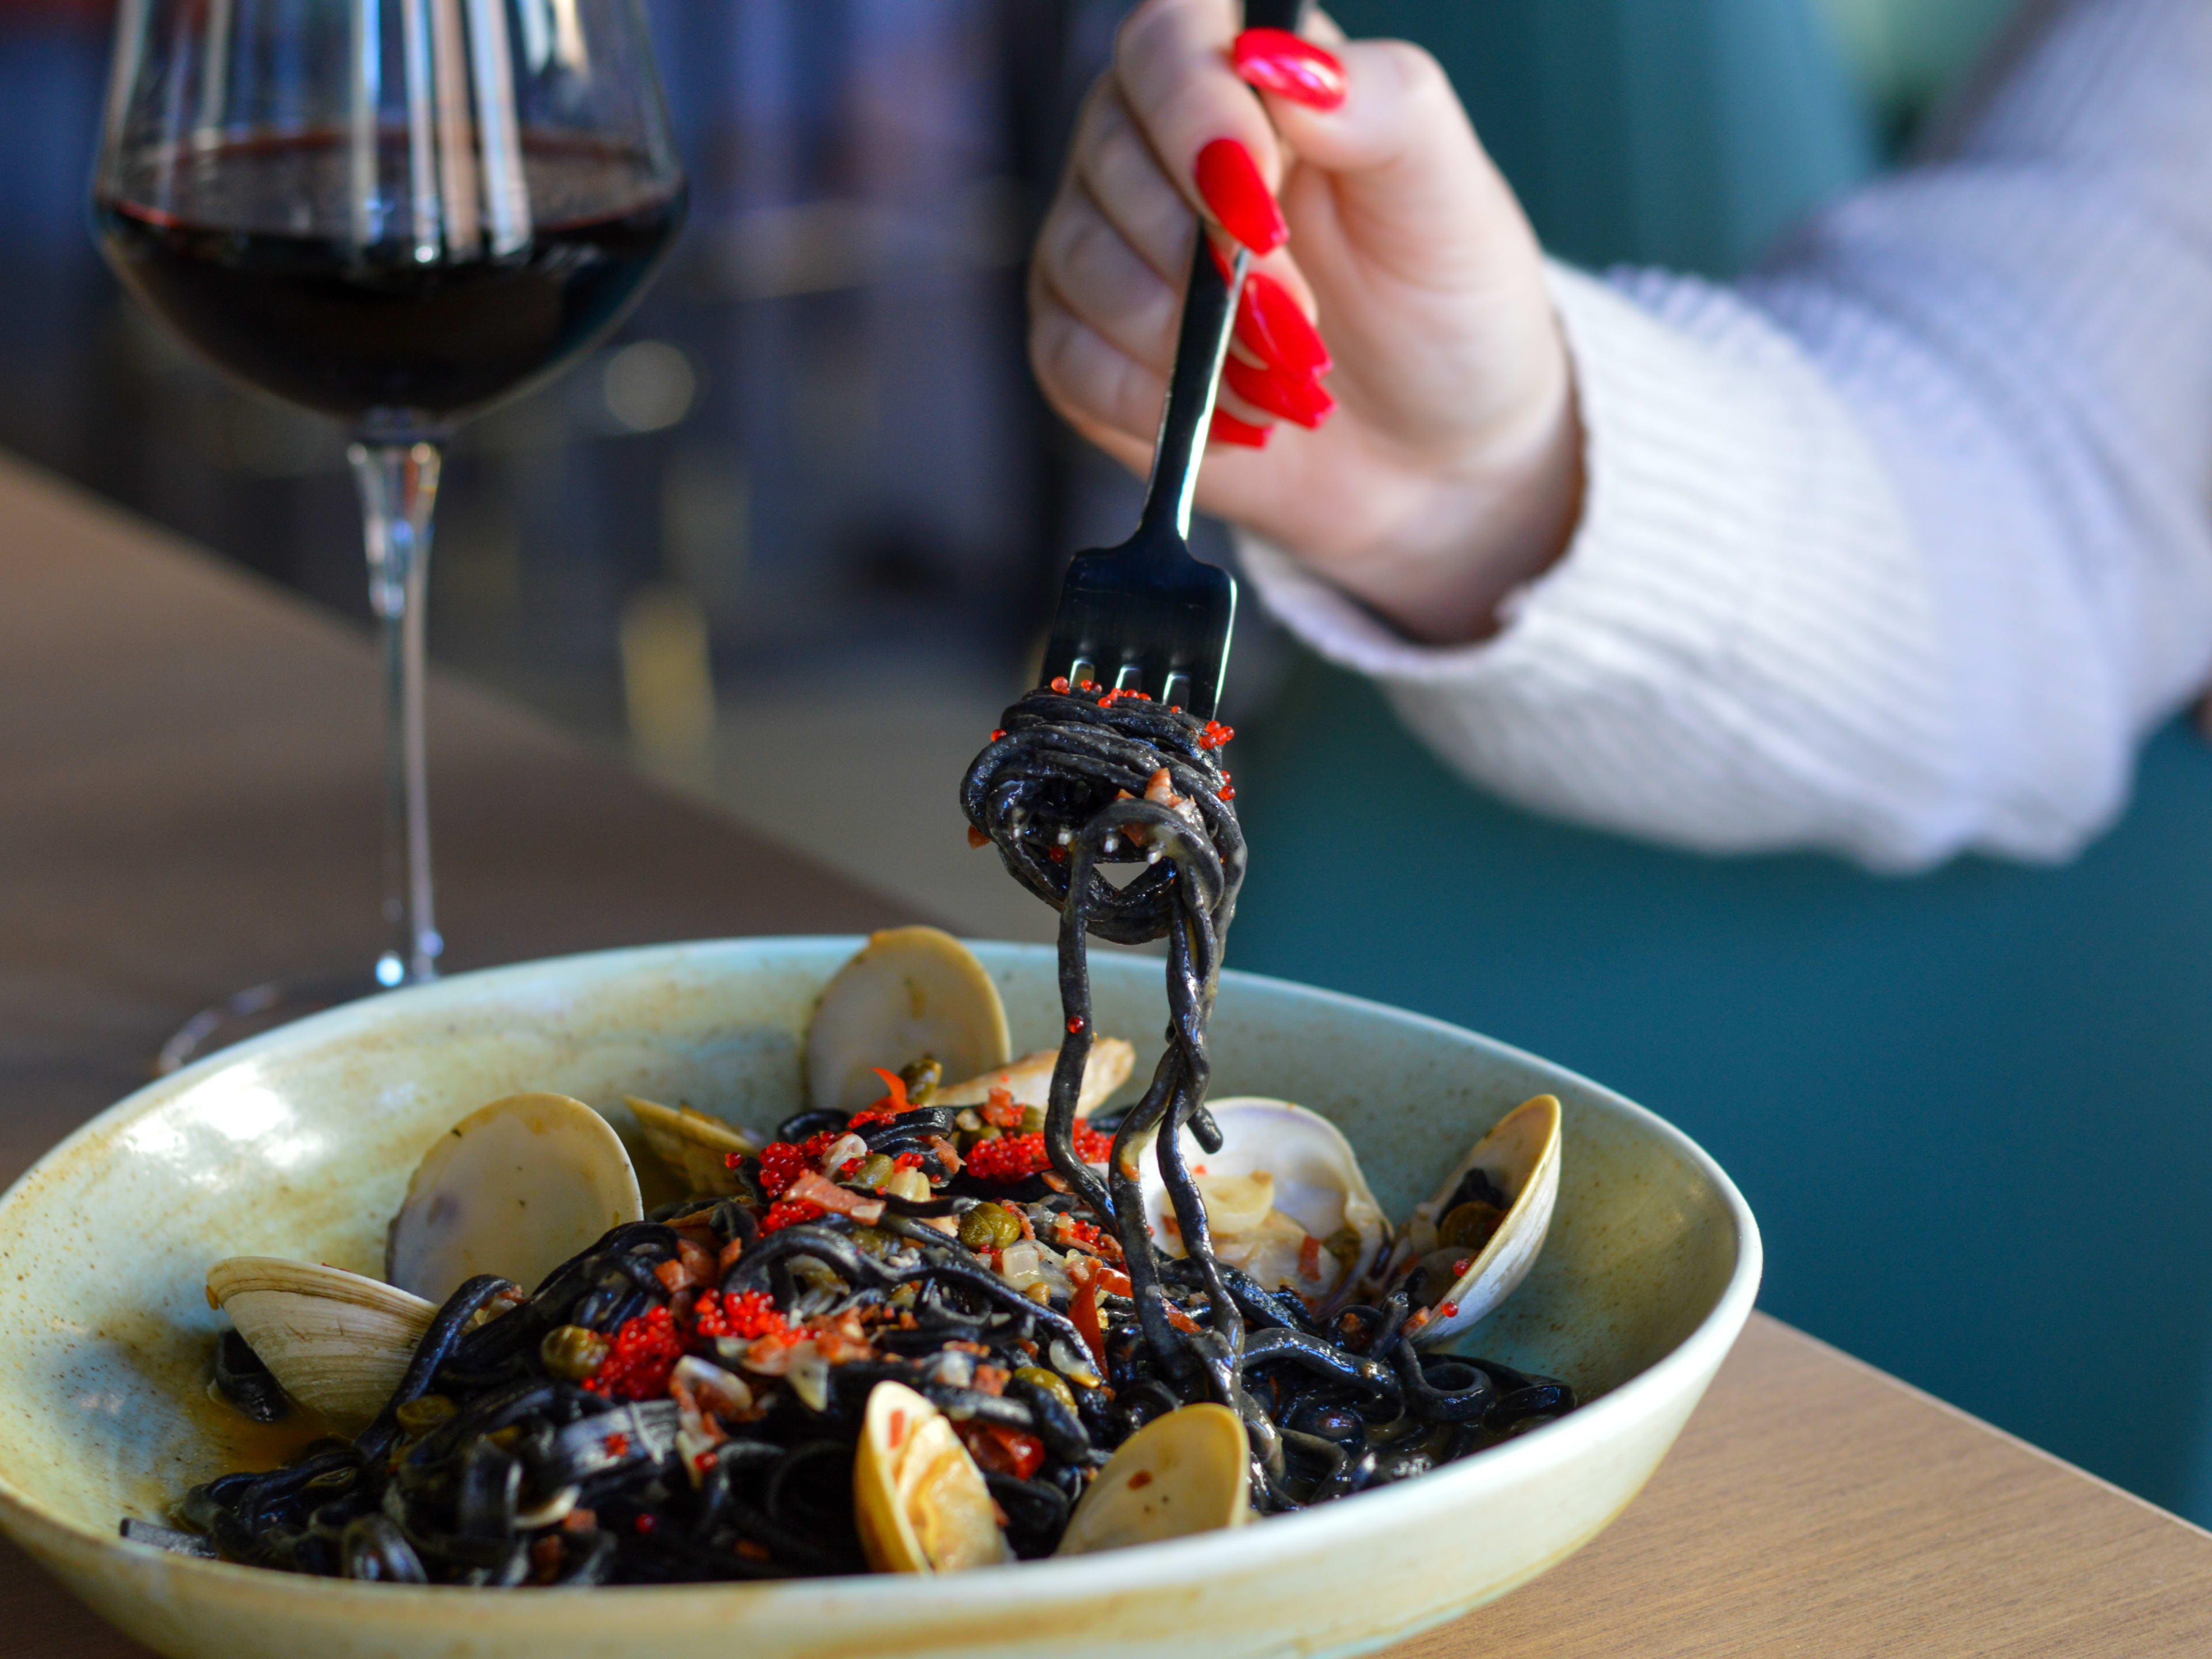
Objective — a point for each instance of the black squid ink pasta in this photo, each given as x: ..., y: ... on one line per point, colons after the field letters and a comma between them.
x: 684, y: 1400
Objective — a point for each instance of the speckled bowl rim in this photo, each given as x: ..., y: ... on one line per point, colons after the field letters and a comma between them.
x: 1242, y: 1552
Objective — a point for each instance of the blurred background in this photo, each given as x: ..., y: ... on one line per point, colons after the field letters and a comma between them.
x: 790, y: 537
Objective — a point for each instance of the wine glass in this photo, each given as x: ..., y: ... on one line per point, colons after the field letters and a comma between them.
x: 396, y: 213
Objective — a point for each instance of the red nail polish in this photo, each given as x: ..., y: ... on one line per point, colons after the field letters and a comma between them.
x: 1226, y: 429
x: 1270, y: 323
x: 1238, y: 197
x: 1276, y: 61
x: 1299, y: 398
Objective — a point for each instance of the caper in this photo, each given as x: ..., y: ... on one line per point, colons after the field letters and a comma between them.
x: 989, y: 1227
x: 1032, y: 1120
x: 1469, y: 1227
x: 873, y: 1241
x: 921, y: 1079
x: 573, y: 1352
x: 1051, y: 1382
x: 874, y: 1170
x: 422, y: 1415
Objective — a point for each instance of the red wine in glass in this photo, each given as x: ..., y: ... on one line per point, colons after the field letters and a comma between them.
x: 396, y: 213
x: 350, y: 331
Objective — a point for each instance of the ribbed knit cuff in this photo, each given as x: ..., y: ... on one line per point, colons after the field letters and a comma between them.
x: 1736, y: 651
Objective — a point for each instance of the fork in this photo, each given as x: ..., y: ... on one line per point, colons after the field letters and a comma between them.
x: 1147, y: 613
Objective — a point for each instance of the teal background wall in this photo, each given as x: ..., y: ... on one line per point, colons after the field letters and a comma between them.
x: 1970, y: 1108
x: 1678, y: 132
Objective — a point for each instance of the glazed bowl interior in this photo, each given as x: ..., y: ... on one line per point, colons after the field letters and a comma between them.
x: 301, y: 1144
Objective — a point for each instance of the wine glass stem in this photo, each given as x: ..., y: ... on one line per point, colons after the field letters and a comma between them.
x: 398, y: 493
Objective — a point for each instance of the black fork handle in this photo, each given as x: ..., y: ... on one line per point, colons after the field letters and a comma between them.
x: 1209, y: 314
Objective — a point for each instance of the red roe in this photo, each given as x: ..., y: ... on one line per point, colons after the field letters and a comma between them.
x: 782, y: 1163
x: 644, y: 1351
x: 1087, y: 1234
x: 1015, y: 1157
x: 751, y: 1316
x: 789, y: 1212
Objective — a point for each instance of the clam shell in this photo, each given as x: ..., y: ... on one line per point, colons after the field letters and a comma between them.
x: 1028, y: 1080
x: 909, y: 992
x: 694, y: 1146
x: 338, y: 1341
x: 921, y: 1502
x: 515, y: 1188
x: 1317, y: 1180
x: 1522, y: 1156
x: 1188, y: 1471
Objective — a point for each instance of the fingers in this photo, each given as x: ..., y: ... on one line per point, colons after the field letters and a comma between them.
x: 1115, y: 250
x: 1410, y: 182
x: 1108, y: 395
x: 1274, y: 60
x: 1114, y: 165
x: 1171, y: 62
x: 1094, y: 385
x: 1089, y: 266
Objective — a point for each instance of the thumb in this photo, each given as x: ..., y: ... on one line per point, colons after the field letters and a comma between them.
x: 1409, y: 184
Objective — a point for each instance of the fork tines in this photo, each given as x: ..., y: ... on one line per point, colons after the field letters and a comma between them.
x: 1146, y: 617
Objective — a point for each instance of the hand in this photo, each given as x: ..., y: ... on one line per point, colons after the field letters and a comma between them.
x: 1446, y: 470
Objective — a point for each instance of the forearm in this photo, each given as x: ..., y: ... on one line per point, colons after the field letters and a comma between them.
x: 1737, y: 651
x: 1895, y: 550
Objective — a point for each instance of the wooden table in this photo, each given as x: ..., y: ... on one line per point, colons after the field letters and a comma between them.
x: 188, y: 799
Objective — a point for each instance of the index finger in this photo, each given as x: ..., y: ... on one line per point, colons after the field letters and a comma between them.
x: 1210, y: 134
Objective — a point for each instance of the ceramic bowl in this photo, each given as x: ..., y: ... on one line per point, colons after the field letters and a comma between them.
x: 300, y: 1143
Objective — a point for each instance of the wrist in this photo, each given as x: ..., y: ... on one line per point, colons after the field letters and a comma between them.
x: 1459, y: 542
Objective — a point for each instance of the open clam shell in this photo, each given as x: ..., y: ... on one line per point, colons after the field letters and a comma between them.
x: 1520, y: 1159
x: 695, y: 1147
x: 920, y: 1501
x: 1284, y: 1174
x: 338, y: 1341
x: 1028, y: 1080
x: 907, y: 992
x: 1187, y: 1471
x: 515, y: 1188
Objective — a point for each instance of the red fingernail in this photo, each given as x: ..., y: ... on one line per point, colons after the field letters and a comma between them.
x: 1299, y: 398
x: 1276, y: 61
x: 1233, y: 192
x: 1228, y: 430
x: 1269, y: 322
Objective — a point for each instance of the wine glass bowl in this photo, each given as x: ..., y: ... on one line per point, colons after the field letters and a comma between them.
x: 396, y: 213
x: 368, y: 332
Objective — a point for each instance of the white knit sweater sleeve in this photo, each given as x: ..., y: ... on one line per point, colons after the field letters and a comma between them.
x: 1897, y: 548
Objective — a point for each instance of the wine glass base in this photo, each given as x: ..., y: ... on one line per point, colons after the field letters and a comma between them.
x: 257, y: 1009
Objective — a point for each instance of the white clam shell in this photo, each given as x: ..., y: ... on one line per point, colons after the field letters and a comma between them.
x: 694, y: 1147
x: 909, y: 992
x: 515, y: 1188
x: 921, y: 1502
x: 1522, y: 1156
x: 1028, y: 1080
x: 1185, y: 1472
x: 338, y: 1341
x: 1317, y: 1180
